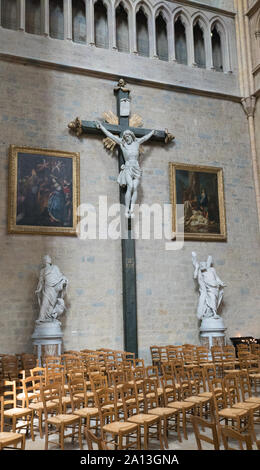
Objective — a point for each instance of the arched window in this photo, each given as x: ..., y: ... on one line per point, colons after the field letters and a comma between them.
x: 122, y: 33
x: 79, y: 21
x: 56, y: 19
x: 180, y: 42
x: 161, y: 38
x: 101, y: 25
x: 217, y: 53
x: 9, y: 17
x: 142, y: 33
x: 199, y: 46
x: 33, y: 16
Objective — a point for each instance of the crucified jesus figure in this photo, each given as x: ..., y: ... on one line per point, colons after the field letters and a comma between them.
x: 131, y: 172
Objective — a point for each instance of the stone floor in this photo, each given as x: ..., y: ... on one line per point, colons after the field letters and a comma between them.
x: 174, y: 444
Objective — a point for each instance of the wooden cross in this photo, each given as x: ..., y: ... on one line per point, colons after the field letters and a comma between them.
x: 128, y: 244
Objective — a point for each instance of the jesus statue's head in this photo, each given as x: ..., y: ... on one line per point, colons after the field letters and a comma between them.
x: 128, y: 137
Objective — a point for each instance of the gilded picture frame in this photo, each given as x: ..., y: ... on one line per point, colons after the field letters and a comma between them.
x: 44, y: 191
x: 201, y: 191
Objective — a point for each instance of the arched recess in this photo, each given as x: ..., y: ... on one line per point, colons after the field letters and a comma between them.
x: 56, y: 19
x: 101, y: 31
x: 122, y: 28
x: 199, y: 38
x: 33, y: 16
x: 9, y: 14
x: 220, y: 45
x: 143, y: 21
x: 79, y: 21
x: 181, y: 38
x: 161, y: 31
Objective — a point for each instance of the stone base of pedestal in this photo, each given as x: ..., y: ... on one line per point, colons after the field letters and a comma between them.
x: 47, y: 339
x: 212, y: 332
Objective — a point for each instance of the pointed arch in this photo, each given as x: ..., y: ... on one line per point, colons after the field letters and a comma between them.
x: 101, y: 32
x: 220, y: 50
x: 143, y: 17
x: 199, y: 37
x: 122, y: 27
x: 79, y: 21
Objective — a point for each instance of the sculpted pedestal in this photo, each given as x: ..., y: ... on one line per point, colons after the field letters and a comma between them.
x: 212, y: 332
x: 47, y: 339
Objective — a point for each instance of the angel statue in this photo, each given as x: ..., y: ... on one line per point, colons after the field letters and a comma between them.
x: 131, y: 172
x: 211, y: 288
x: 50, y: 291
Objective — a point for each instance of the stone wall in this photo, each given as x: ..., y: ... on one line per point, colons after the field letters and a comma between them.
x: 37, y: 105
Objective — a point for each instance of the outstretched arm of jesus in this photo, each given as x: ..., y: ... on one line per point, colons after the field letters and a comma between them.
x: 108, y: 134
x: 146, y: 137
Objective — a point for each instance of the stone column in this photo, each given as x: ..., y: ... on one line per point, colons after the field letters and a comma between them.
x: 152, y: 37
x: 247, y: 87
x: 45, y: 17
x: 132, y: 31
x: 21, y: 13
x: 90, y: 23
x: 171, y: 42
x: 208, y: 48
x: 190, y: 45
x: 67, y: 7
x: 112, y: 28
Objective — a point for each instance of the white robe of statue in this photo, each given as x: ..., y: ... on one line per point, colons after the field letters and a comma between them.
x: 211, y: 288
x: 50, y: 291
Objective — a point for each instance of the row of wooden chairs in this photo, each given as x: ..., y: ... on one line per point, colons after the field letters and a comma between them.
x: 181, y: 398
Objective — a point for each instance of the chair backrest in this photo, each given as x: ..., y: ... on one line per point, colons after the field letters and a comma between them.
x: 32, y: 388
x: 98, y: 382
x: 202, y: 354
x: 245, y: 385
x: 128, y: 395
x: 9, y: 393
x: 51, y: 360
x: 10, y: 367
x: 29, y: 361
x: 229, y: 352
x: 49, y: 393
x: 199, y: 379
x: 230, y: 433
x: 151, y: 399
x: 107, y: 406
x: 200, y: 424
x: 77, y: 385
x: 155, y: 355
x: 93, y: 439
x: 170, y: 392
x: 231, y: 386
x: 209, y: 373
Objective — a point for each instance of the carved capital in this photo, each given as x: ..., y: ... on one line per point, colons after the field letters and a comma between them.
x: 249, y: 105
x: 76, y: 126
x: 168, y: 137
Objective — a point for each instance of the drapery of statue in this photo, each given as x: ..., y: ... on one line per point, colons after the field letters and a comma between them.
x: 50, y: 291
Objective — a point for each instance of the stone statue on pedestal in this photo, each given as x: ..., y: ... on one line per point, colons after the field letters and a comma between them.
x: 50, y: 291
x: 211, y: 288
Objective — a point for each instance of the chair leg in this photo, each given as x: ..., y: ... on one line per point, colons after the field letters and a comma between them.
x: 32, y: 431
x: 160, y: 434
x: 80, y: 436
x: 62, y: 437
x: 165, y: 425
x: 46, y: 435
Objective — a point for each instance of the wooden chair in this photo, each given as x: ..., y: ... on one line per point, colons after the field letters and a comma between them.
x: 229, y: 433
x: 32, y: 390
x: 170, y: 417
x: 123, y: 434
x: 8, y: 439
x: 12, y: 413
x: 172, y: 400
x: 58, y: 422
x: 200, y: 424
x: 202, y: 355
x: 93, y: 439
x: 203, y: 405
x: 151, y: 424
x: 217, y: 357
x: 234, y: 400
x: 246, y: 389
x: 152, y: 372
x: 78, y: 394
x: 239, y: 419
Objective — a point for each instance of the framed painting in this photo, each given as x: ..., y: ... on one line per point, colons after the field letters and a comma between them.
x: 201, y: 191
x: 43, y: 191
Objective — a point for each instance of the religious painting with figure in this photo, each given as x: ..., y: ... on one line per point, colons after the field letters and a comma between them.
x: 200, y: 191
x: 43, y: 191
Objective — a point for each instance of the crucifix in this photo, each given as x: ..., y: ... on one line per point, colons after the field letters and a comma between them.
x: 128, y: 139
